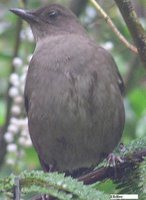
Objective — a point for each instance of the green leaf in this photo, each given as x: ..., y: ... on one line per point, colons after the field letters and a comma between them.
x: 138, y: 100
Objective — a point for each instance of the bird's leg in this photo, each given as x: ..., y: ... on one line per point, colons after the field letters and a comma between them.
x: 113, y: 159
x: 46, y: 167
x: 49, y: 169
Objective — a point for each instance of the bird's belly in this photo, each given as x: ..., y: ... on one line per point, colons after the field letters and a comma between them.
x: 75, y: 140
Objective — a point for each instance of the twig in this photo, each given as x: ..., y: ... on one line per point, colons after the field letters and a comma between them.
x: 109, y: 172
x: 134, y: 26
x: 15, y: 54
x: 113, y: 27
x: 8, y: 98
x: 17, y: 189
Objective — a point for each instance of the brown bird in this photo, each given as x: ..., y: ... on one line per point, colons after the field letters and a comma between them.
x: 73, y: 92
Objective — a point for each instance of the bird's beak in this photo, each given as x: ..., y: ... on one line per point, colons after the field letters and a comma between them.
x: 24, y: 14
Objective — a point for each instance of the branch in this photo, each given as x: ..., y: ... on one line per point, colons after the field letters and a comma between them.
x: 17, y: 189
x: 8, y: 98
x: 109, y: 172
x: 15, y: 54
x: 134, y: 26
x: 113, y: 27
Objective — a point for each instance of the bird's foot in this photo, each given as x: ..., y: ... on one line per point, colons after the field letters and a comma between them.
x: 113, y: 159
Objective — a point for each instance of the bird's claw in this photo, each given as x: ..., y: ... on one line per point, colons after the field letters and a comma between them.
x: 113, y: 159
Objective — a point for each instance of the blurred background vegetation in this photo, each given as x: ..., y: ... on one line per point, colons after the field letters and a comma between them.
x: 16, y: 47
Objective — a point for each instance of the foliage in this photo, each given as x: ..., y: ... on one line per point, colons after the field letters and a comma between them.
x: 65, y: 188
x: 133, y: 180
x: 54, y: 184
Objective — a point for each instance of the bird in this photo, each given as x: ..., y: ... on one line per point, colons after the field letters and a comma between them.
x: 73, y: 92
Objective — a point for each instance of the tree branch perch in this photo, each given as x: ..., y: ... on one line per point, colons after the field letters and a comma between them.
x: 113, y: 27
x: 134, y: 26
x: 109, y: 172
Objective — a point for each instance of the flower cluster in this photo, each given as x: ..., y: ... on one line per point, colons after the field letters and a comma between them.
x: 17, y: 136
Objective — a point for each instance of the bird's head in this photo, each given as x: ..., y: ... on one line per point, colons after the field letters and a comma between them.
x: 53, y: 19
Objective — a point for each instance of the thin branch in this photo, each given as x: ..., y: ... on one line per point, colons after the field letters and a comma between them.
x: 134, y: 26
x: 8, y: 98
x: 15, y: 54
x: 109, y: 172
x: 17, y: 189
x: 113, y: 27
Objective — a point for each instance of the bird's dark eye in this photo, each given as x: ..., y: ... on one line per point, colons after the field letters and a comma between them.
x: 53, y: 14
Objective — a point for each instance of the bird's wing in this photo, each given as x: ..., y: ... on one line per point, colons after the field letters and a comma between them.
x: 85, y: 67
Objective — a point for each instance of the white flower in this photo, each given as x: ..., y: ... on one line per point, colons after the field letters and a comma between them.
x: 18, y: 99
x: 22, y: 140
x: 10, y: 161
x: 17, y: 62
x: 108, y: 45
x: 28, y: 142
x: 13, y: 92
x: 14, y: 120
x: 14, y: 79
x: 8, y: 137
x: 13, y: 128
x: 25, y: 132
x: 15, y: 110
x: 23, y: 122
x: 11, y: 148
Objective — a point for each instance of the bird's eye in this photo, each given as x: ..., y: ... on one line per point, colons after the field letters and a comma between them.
x: 53, y: 14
